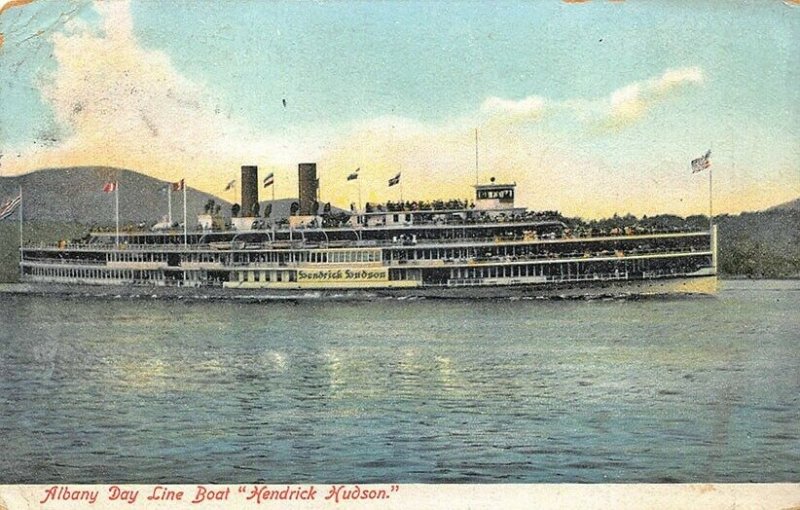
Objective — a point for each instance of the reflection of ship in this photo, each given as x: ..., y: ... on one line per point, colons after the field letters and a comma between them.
x: 453, y: 248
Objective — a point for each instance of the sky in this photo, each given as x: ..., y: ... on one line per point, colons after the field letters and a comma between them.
x: 590, y: 107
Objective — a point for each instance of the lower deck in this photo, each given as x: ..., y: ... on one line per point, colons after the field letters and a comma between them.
x: 374, y: 275
x: 528, y: 263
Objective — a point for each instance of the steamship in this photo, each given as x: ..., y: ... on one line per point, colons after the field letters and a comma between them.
x: 486, y: 248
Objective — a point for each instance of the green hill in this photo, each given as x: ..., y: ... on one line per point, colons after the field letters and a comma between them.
x: 792, y: 205
x: 764, y: 244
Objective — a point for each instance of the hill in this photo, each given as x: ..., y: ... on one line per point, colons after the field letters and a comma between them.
x: 792, y: 205
x: 763, y: 244
x: 76, y: 195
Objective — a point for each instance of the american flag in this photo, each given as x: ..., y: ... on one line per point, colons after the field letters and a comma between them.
x: 354, y: 175
x: 110, y: 187
x: 394, y: 180
x: 230, y: 185
x: 269, y: 180
x: 701, y: 163
x: 178, y: 186
x: 9, y: 206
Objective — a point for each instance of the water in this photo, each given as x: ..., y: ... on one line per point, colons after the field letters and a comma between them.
x: 659, y: 390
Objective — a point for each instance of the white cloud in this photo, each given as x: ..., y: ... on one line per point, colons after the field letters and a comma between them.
x: 630, y: 103
x: 620, y: 109
x: 531, y: 108
x: 120, y: 104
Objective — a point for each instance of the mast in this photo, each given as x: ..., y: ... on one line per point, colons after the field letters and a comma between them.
x: 169, y: 204
x: 476, y: 156
x: 20, y: 230
x: 185, y: 233
x: 710, y: 200
x: 116, y: 209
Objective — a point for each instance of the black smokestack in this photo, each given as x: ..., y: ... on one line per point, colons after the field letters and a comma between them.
x: 307, y: 181
x: 249, y: 189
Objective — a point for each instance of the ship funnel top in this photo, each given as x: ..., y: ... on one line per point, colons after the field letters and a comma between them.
x: 249, y: 191
x: 308, y: 185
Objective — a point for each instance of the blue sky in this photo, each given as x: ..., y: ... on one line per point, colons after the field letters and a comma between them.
x: 594, y: 107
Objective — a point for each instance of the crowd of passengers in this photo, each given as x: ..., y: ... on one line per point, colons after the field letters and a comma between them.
x: 421, y: 205
x: 572, y: 227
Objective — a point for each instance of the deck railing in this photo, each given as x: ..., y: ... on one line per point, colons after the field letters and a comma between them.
x: 368, y: 243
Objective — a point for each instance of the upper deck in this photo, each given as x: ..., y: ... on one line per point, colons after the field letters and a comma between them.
x: 264, y: 240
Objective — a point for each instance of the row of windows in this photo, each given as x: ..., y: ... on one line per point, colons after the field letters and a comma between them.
x: 533, y: 251
x: 583, y: 270
x: 502, y: 194
x: 267, y: 276
x: 94, y: 274
x: 314, y: 257
x: 344, y: 256
x: 137, y: 256
x: 327, y: 256
x: 203, y: 257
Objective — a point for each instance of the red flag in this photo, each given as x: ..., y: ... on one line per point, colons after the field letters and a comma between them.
x: 110, y: 187
x: 178, y: 186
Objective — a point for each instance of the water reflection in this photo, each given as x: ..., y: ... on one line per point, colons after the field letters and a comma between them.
x: 410, y: 391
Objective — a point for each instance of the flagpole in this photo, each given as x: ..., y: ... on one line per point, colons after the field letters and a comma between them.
x: 359, y: 194
x: 476, y: 155
x: 710, y: 201
x: 169, y: 204
x: 272, y: 212
x: 20, y: 231
x: 185, y: 233
x: 272, y: 215
x: 116, y: 209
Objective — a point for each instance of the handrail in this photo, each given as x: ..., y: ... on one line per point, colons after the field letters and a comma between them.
x: 368, y: 243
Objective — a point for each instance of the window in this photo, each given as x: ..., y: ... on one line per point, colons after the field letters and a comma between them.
x: 497, y: 194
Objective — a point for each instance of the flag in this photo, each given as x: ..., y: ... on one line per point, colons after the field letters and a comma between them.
x: 178, y: 186
x: 394, y: 180
x: 269, y: 180
x: 230, y: 185
x: 110, y: 187
x: 9, y: 206
x: 701, y: 163
x: 354, y: 175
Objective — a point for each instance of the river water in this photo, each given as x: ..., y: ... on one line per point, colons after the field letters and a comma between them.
x: 654, y: 390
